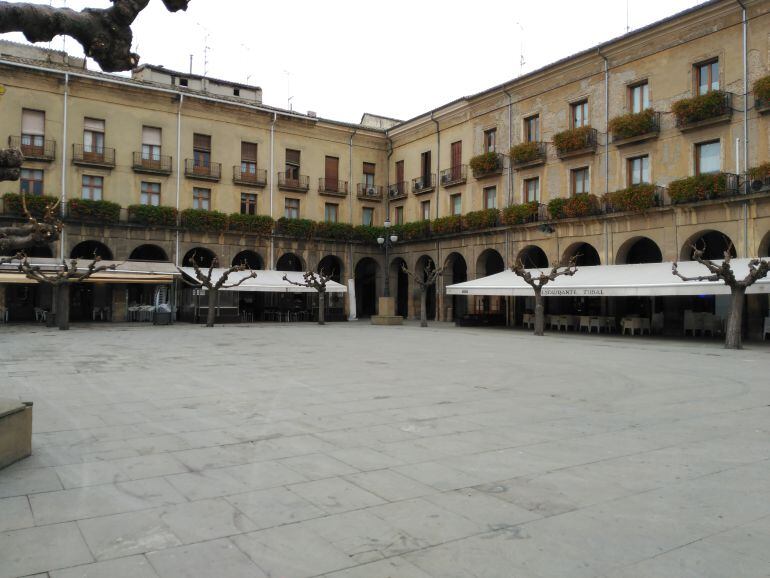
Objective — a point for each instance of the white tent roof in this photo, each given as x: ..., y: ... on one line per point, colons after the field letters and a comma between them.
x: 649, y: 279
x: 266, y: 281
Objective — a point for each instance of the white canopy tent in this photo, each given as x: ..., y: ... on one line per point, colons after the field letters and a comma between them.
x: 642, y: 280
x: 265, y: 281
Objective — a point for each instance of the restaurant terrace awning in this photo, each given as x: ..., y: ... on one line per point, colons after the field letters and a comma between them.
x: 131, y: 272
x: 642, y: 280
x: 265, y: 281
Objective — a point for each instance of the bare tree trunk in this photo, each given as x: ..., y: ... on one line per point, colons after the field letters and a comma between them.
x: 62, y: 297
x: 539, y: 312
x: 211, y: 315
x: 733, y: 332
x: 321, y: 307
x: 423, y: 307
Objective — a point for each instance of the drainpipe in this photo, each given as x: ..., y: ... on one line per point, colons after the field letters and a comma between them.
x: 509, y: 196
x: 63, y: 193
x: 606, y: 149
x: 350, y: 197
x: 387, y: 189
x: 178, y: 171
x: 438, y: 160
x: 745, y: 27
x: 272, y: 179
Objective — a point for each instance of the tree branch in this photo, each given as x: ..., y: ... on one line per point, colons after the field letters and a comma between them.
x: 567, y: 269
x: 312, y: 280
x: 15, y: 238
x: 67, y: 272
x: 105, y: 34
x: 429, y: 277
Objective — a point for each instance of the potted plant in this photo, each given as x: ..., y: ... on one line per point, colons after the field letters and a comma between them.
x: 485, y: 164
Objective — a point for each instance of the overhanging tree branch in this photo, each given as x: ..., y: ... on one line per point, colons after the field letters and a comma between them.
x: 16, y: 238
x: 104, y: 33
x: 318, y: 282
x: 537, y: 282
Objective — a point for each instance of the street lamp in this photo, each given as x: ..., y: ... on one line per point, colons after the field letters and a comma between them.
x: 387, y: 241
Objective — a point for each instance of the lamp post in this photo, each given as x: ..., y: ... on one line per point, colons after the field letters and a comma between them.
x: 386, y: 242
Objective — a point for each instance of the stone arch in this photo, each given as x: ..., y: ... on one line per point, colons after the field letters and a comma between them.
x: 489, y: 262
x: 533, y: 257
x: 250, y: 258
x: 148, y: 252
x: 399, y: 286
x: 290, y: 262
x: 639, y: 250
x: 715, y: 244
x: 332, y: 265
x: 203, y: 257
x: 89, y: 249
x: 455, y: 271
x: 430, y: 299
x: 587, y: 255
x: 764, y: 246
x: 365, y: 275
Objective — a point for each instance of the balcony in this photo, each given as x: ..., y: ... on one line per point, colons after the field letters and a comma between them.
x: 634, y: 199
x: 528, y: 154
x: 575, y: 142
x: 43, y: 150
x: 486, y: 165
x: 152, y: 165
x: 292, y: 182
x: 369, y: 192
x: 456, y: 175
x: 99, y: 157
x: 332, y: 187
x: 397, y: 191
x: 715, y: 107
x: 424, y: 184
x: 204, y: 172
x: 635, y: 127
x: 255, y: 178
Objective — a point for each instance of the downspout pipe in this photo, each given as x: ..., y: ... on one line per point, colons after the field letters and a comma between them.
x: 272, y: 186
x: 606, y: 149
x: 509, y: 196
x: 350, y: 198
x: 63, y: 193
x: 178, y: 171
x: 438, y: 160
x: 387, y: 185
x: 745, y: 30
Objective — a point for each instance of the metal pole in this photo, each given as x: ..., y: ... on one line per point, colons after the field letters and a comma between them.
x: 386, y: 289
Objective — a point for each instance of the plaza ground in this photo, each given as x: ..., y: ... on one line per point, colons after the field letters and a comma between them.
x: 353, y: 451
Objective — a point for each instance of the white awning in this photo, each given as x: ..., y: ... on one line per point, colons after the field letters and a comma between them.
x: 266, y: 281
x: 643, y: 280
x: 143, y: 272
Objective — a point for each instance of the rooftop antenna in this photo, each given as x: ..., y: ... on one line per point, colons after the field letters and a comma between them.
x: 521, y: 50
x: 628, y: 26
x: 289, y: 97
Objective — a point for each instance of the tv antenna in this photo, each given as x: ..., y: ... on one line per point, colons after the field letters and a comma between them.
x: 521, y: 49
x: 289, y: 97
x: 628, y: 25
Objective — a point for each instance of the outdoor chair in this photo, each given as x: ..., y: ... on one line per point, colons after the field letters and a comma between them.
x: 595, y: 322
x: 585, y: 322
x: 528, y: 320
x: 40, y: 314
x: 4, y: 315
x: 610, y: 324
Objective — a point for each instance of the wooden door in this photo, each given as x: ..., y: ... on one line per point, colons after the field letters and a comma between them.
x: 457, y: 159
x: 332, y: 173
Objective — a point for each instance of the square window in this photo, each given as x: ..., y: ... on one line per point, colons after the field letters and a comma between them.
x: 367, y: 216
x: 92, y: 187
x: 457, y: 204
x: 707, y: 157
x: 639, y: 96
x: 201, y: 199
x: 150, y: 194
x: 31, y: 182
x: 579, y: 116
x: 707, y: 76
x: 248, y: 204
x: 399, y: 216
x: 490, y: 140
x: 425, y: 210
x: 532, y: 190
x: 532, y: 128
x: 331, y: 212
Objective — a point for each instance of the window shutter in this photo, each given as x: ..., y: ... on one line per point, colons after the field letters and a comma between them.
x: 202, y: 142
x: 151, y: 135
x: 292, y: 156
x: 249, y: 152
x: 93, y: 124
x: 368, y: 168
x: 33, y: 122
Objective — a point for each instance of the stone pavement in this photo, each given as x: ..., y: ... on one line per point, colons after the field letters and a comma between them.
x: 352, y: 451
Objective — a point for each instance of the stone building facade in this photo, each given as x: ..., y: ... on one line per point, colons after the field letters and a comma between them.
x: 286, y: 164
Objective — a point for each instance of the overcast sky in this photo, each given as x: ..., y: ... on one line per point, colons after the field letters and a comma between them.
x: 398, y: 58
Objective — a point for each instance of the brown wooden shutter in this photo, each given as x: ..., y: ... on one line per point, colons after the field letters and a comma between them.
x: 399, y: 171
x: 249, y: 152
x: 292, y: 157
x: 332, y: 168
x: 202, y: 142
x: 369, y: 168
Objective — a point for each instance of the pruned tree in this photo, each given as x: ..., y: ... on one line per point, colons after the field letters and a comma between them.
x: 212, y: 287
x: 59, y: 279
x: 104, y: 33
x: 538, y: 281
x: 428, y: 278
x: 34, y: 233
x: 318, y: 282
x: 10, y: 164
x: 758, y: 269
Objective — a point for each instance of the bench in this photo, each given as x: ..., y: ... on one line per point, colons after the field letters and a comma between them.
x: 15, y: 431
